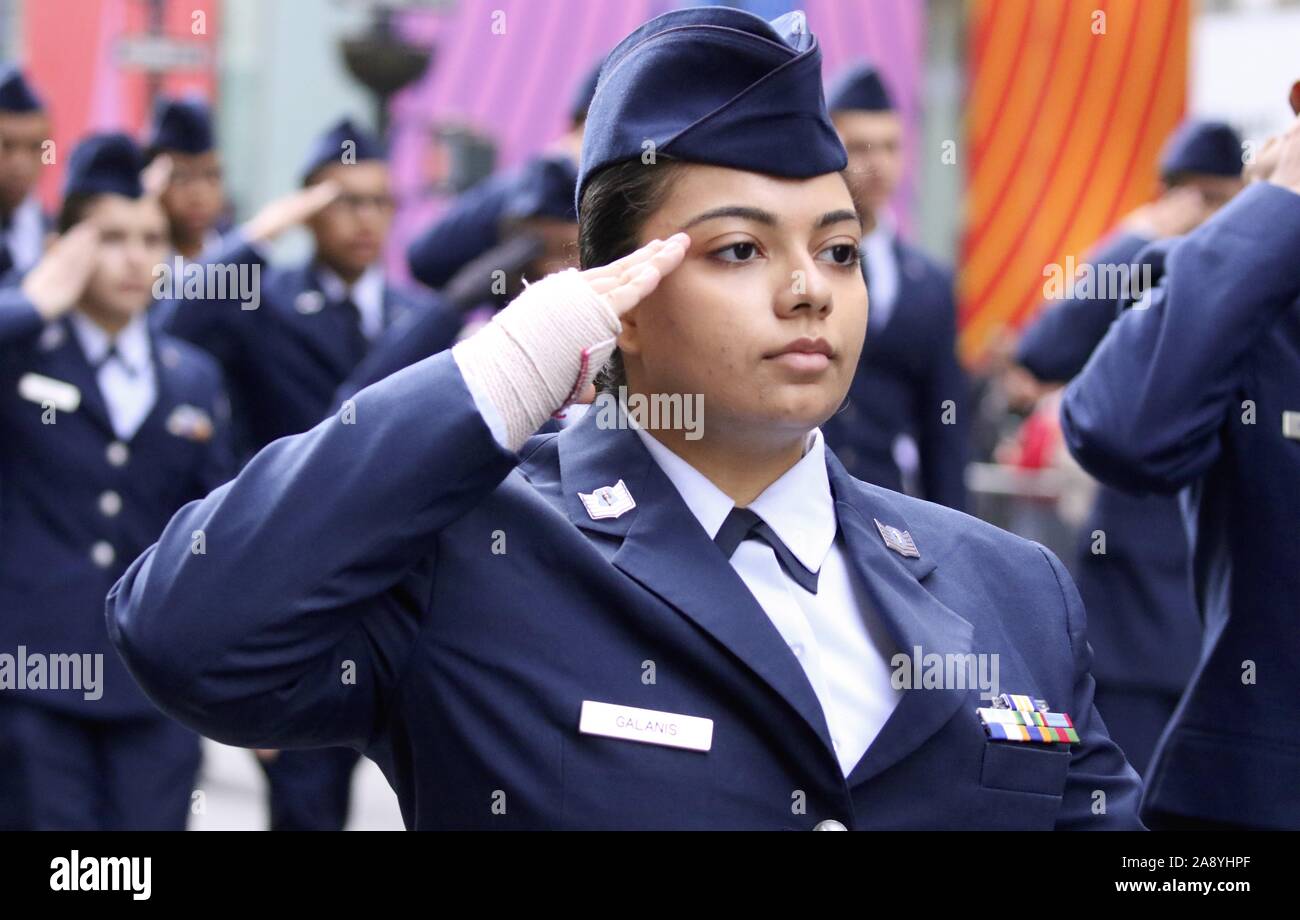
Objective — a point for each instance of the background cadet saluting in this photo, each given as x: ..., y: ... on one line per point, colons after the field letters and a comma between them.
x: 109, y: 428
x: 1194, y: 388
x: 194, y: 196
x: 312, y: 323
x: 480, y: 608
x: 1143, y: 627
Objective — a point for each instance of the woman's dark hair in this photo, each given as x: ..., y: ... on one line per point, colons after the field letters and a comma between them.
x: 615, y: 205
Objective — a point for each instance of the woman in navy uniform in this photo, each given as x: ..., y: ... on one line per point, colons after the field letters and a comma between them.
x: 1143, y: 627
x: 109, y: 428
x: 909, y: 385
x: 1195, y: 390
x: 643, y: 627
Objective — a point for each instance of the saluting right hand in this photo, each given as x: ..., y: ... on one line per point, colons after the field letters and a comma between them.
x: 290, y: 210
x: 629, y: 280
x: 55, y: 284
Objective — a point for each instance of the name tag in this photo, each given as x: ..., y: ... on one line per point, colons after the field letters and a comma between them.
x: 40, y: 389
x: 1291, y: 425
x: 647, y: 725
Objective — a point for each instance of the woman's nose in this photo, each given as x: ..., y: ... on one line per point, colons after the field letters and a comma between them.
x: 808, y: 289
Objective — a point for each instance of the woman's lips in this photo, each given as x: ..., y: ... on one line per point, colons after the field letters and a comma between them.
x: 805, y: 362
x: 804, y: 355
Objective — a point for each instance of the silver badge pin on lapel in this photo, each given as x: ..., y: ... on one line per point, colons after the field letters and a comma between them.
x: 608, y: 501
x: 309, y: 302
x: 900, y: 541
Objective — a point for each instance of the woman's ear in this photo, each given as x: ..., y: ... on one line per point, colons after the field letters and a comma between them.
x: 629, y: 340
x: 1295, y: 97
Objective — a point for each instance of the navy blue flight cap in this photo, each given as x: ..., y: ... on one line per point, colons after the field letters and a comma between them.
x: 583, y: 94
x: 544, y: 189
x: 1210, y: 147
x: 182, y: 125
x: 329, y: 148
x: 16, y: 94
x: 860, y: 88
x: 105, y: 164
x: 719, y: 86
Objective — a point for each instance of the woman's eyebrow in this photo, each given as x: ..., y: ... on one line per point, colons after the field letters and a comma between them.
x: 757, y: 215
x: 834, y: 217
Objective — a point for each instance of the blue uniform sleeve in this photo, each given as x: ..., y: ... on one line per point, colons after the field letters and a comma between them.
x: 280, y: 610
x: 942, y: 440
x: 19, y: 319
x: 1102, y: 791
x: 216, y: 324
x: 468, y: 229
x: 1146, y: 412
x: 1056, y: 345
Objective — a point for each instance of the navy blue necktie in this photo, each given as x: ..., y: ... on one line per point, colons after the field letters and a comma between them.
x: 114, y: 355
x: 742, y: 524
x: 351, y: 329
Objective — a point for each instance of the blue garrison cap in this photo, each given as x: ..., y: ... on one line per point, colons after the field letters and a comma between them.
x: 860, y: 88
x: 183, y: 125
x: 16, y: 94
x: 1202, y: 147
x: 714, y: 85
x: 544, y: 188
x: 105, y: 164
x: 583, y: 94
x: 329, y: 148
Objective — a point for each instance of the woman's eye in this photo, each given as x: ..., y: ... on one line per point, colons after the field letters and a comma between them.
x: 843, y: 253
x: 743, y: 252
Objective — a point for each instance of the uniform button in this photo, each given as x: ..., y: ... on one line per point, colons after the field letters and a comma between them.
x: 830, y: 824
x: 103, y: 554
x: 117, y: 453
x: 110, y: 503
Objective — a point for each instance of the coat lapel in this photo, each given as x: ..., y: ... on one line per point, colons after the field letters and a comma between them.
x: 314, y: 321
x: 665, y: 549
x: 911, y: 614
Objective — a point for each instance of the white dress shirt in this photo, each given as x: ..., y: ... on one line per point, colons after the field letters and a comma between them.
x: 367, y: 293
x: 882, y: 271
x: 126, y: 381
x: 835, y: 634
